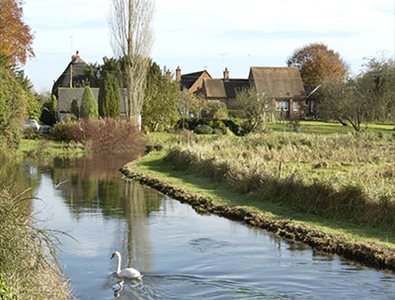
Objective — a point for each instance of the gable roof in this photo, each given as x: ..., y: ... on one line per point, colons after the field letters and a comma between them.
x: 220, y: 88
x: 188, y: 80
x: 278, y: 82
x: 76, y: 68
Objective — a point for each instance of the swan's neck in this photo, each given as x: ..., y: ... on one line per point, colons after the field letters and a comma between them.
x: 119, y: 264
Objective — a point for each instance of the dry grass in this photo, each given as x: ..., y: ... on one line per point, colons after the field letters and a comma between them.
x: 339, y: 176
x: 28, y: 268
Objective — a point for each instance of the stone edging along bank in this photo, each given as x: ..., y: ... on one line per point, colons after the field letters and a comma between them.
x: 370, y: 255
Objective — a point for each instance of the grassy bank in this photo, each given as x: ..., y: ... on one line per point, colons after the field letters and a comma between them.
x: 341, y: 185
x: 370, y: 246
x: 155, y: 166
x: 42, y: 148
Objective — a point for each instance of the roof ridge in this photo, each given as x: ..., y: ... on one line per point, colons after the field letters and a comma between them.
x: 261, y: 67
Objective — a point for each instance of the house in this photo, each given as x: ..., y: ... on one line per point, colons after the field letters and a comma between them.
x: 67, y: 95
x: 282, y: 84
x: 73, y: 76
x: 224, y: 89
x: 70, y: 86
x: 192, y: 82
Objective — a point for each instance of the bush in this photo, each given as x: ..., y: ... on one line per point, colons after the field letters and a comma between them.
x: 217, y: 109
x: 64, y: 131
x: 102, y: 136
x: 203, y: 129
x: 233, y: 125
x: 31, y: 134
x: 217, y: 125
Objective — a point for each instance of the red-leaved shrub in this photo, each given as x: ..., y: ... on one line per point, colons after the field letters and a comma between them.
x: 102, y: 136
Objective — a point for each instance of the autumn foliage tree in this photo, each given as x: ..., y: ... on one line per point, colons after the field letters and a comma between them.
x: 317, y: 63
x: 15, y: 36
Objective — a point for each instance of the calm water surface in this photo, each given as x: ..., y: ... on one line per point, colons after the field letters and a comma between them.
x: 183, y: 255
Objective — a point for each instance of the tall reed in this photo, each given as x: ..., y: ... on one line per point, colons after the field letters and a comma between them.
x: 28, y: 268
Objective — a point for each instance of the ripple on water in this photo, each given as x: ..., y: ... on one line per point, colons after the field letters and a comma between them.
x: 192, y: 287
x: 209, y: 246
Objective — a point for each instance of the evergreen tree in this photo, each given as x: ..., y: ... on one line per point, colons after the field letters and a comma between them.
x: 109, y: 97
x: 49, y: 111
x: 75, y: 109
x: 89, y: 107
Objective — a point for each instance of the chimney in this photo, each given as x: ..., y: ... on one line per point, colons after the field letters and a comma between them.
x: 168, y: 75
x: 178, y: 74
x: 226, y: 74
x: 75, y: 56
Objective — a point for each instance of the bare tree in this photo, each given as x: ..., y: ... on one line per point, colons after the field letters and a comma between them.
x: 344, y: 101
x: 131, y: 36
x: 254, y: 107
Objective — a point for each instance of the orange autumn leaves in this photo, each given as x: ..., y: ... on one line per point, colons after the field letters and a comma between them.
x: 16, y: 37
x: 317, y: 63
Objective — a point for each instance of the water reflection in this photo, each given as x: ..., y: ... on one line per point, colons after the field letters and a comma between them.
x: 88, y: 189
x: 181, y: 254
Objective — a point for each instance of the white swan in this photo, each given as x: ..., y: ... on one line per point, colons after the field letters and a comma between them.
x: 130, y: 273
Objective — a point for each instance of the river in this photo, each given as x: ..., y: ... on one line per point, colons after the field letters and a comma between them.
x: 182, y: 254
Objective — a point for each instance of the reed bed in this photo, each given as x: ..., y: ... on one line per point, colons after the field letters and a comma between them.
x: 28, y: 268
x: 339, y: 176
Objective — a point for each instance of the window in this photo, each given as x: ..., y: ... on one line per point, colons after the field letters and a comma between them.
x: 296, y: 106
x: 282, y: 105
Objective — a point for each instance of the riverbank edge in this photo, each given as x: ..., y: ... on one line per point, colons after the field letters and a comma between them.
x: 366, y: 254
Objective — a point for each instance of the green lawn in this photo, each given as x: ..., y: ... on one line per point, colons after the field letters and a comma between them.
x: 48, y: 148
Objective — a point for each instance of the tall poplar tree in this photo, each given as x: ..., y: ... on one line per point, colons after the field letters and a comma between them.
x: 131, y: 36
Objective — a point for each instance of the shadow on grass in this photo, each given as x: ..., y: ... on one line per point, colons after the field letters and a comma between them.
x: 219, y: 193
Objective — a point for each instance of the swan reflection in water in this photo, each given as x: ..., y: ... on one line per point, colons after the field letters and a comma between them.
x: 129, y: 289
x: 129, y: 283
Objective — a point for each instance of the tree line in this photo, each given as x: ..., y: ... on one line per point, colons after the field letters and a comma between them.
x: 338, y: 95
x: 335, y: 92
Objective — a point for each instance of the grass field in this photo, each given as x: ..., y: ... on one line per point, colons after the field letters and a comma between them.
x: 325, y: 175
x: 155, y: 166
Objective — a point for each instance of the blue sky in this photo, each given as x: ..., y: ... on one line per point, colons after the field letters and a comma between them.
x: 212, y: 34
